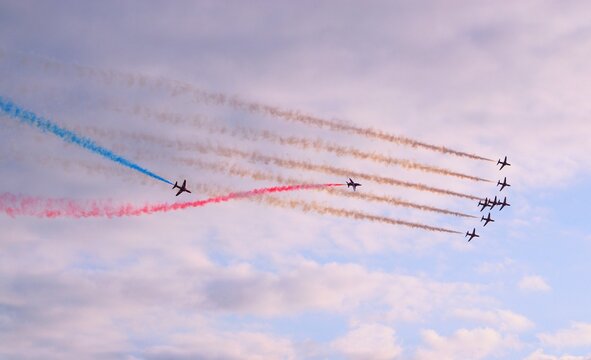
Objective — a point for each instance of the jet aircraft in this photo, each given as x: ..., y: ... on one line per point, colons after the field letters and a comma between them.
x: 352, y: 183
x: 503, y: 203
x: 503, y: 163
x: 493, y: 202
x: 487, y: 219
x: 503, y: 184
x: 182, y: 188
x: 484, y: 204
x: 472, y: 234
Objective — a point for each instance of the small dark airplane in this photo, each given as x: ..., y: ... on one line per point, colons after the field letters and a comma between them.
x: 352, y: 183
x: 182, y: 188
x: 472, y: 234
x: 484, y: 204
x: 503, y: 203
x: 503, y: 184
x: 503, y: 163
x: 487, y: 219
x: 492, y: 203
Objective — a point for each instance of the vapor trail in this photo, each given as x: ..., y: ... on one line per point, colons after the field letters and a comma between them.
x: 257, y: 175
x: 28, y: 117
x: 332, y: 170
x: 16, y: 205
x: 175, y: 87
x: 325, y: 210
x: 203, y: 123
x: 234, y: 170
x: 285, y: 163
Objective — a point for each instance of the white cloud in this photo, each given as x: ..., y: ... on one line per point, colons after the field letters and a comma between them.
x: 539, y: 354
x: 495, y: 267
x: 211, y: 344
x: 334, y: 287
x: 368, y: 341
x: 464, y: 344
x: 504, y: 320
x: 534, y: 283
x: 578, y: 334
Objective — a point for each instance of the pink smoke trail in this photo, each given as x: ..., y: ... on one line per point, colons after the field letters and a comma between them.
x: 17, y: 205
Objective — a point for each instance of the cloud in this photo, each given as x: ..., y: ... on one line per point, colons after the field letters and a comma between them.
x: 334, y: 287
x: 504, y: 320
x: 578, y: 334
x: 495, y: 267
x: 463, y: 344
x: 539, y: 354
x: 534, y: 283
x: 211, y: 344
x: 368, y: 341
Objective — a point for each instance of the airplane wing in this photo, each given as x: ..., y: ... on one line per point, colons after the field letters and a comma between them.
x: 179, y: 192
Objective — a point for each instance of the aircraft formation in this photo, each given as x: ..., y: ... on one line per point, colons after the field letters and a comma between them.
x: 483, y: 203
x: 491, y: 203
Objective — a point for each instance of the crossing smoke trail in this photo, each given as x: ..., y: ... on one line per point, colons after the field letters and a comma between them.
x: 344, y: 213
x: 15, y: 205
x: 175, y: 87
x: 256, y: 175
x: 15, y: 111
x: 234, y: 170
x: 332, y: 170
x: 285, y: 163
x: 317, y: 144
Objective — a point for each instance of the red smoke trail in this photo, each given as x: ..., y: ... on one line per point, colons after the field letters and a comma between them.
x: 15, y: 205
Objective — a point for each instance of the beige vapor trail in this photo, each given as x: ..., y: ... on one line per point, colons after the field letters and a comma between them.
x: 254, y: 156
x: 352, y: 214
x: 272, y: 200
x: 234, y: 170
x: 175, y: 87
x: 203, y: 123
x: 311, y: 206
x: 266, y: 159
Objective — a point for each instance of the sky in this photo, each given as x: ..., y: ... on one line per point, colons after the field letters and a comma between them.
x: 257, y: 278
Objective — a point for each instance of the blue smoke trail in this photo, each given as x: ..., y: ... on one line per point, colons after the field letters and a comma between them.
x: 13, y: 110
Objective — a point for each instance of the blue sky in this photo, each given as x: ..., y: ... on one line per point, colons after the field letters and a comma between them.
x: 249, y: 280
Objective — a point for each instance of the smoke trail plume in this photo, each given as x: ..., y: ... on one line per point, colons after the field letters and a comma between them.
x: 325, y: 210
x: 203, y: 123
x: 15, y: 205
x: 175, y: 87
x: 257, y: 175
x: 15, y: 111
x: 285, y: 163
x: 234, y: 170
x: 332, y: 170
